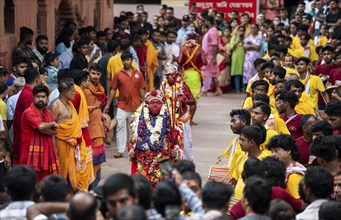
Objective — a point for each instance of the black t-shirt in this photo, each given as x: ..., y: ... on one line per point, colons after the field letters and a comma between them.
x: 148, y: 26
x: 332, y: 18
x: 78, y: 63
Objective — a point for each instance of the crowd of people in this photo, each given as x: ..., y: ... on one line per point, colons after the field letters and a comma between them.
x: 141, y: 81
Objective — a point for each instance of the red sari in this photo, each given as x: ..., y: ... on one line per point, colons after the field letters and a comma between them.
x: 37, y: 149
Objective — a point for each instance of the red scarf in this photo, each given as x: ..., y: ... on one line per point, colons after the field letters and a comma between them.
x: 42, y: 155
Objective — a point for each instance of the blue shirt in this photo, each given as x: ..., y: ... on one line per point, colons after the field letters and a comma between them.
x: 135, y: 58
x: 182, y: 36
x: 52, y: 77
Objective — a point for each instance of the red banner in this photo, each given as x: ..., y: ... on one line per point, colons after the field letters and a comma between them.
x: 242, y: 6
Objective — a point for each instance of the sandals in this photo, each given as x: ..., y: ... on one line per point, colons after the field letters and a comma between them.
x: 118, y: 155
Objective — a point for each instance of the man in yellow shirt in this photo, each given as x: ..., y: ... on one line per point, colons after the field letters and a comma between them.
x: 285, y: 149
x: 258, y: 87
x: 250, y: 139
x: 313, y: 84
x: 288, y: 64
x: 260, y: 114
x: 240, y: 118
x: 260, y: 75
x: 296, y: 42
x: 274, y: 121
x: 265, y: 69
x: 306, y: 49
x: 3, y: 106
x: 304, y: 105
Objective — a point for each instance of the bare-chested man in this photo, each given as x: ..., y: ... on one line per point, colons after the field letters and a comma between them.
x: 70, y: 144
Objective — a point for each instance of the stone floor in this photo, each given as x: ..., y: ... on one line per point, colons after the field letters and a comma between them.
x: 210, y: 137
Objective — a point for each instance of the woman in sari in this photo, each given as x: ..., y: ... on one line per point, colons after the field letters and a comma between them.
x: 225, y: 56
x: 252, y: 45
x: 238, y: 53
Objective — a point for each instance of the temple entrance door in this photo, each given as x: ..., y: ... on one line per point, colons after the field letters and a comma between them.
x: 63, y: 14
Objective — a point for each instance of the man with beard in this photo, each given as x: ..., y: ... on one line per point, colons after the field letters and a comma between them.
x: 240, y: 118
x: 172, y: 49
x: 276, y: 74
x: 285, y: 104
x: 23, y: 49
x: 32, y: 79
x: 37, y: 129
x: 170, y: 19
x: 41, y: 48
x: 95, y: 98
x: 328, y: 65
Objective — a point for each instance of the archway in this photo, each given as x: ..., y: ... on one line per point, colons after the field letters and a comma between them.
x: 64, y: 13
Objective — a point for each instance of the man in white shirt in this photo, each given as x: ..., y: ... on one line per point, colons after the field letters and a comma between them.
x: 21, y: 185
x: 318, y: 186
x: 172, y: 50
x: 183, y: 31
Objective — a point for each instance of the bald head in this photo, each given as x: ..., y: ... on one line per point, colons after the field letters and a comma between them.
x: 83, y: 206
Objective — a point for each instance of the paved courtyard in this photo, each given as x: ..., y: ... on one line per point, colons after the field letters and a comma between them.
x: 210, y: 137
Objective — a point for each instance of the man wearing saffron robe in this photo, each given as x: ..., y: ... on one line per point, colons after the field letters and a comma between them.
x: 69, y: 141
x: 37, y: 129
x: 178, y: 96
x: 151, y: 62
x: 191, y: 59
x: 81, y: 80
x: 95, y: 97
x: 151, y: 138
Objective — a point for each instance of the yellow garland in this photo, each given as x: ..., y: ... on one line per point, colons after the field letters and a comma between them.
x: 190, y: 57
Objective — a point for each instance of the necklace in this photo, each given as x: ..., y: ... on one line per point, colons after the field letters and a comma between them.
x: 66, y: 106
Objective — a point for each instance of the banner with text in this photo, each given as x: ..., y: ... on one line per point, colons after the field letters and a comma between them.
x: 242, y: 6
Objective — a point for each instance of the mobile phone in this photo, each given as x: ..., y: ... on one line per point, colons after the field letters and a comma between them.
x: 241, y: 36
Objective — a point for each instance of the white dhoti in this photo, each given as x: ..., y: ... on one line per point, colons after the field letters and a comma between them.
x: 187, y: 134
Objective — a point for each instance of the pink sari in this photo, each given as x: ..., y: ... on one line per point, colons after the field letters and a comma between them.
x: 210, y: 39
